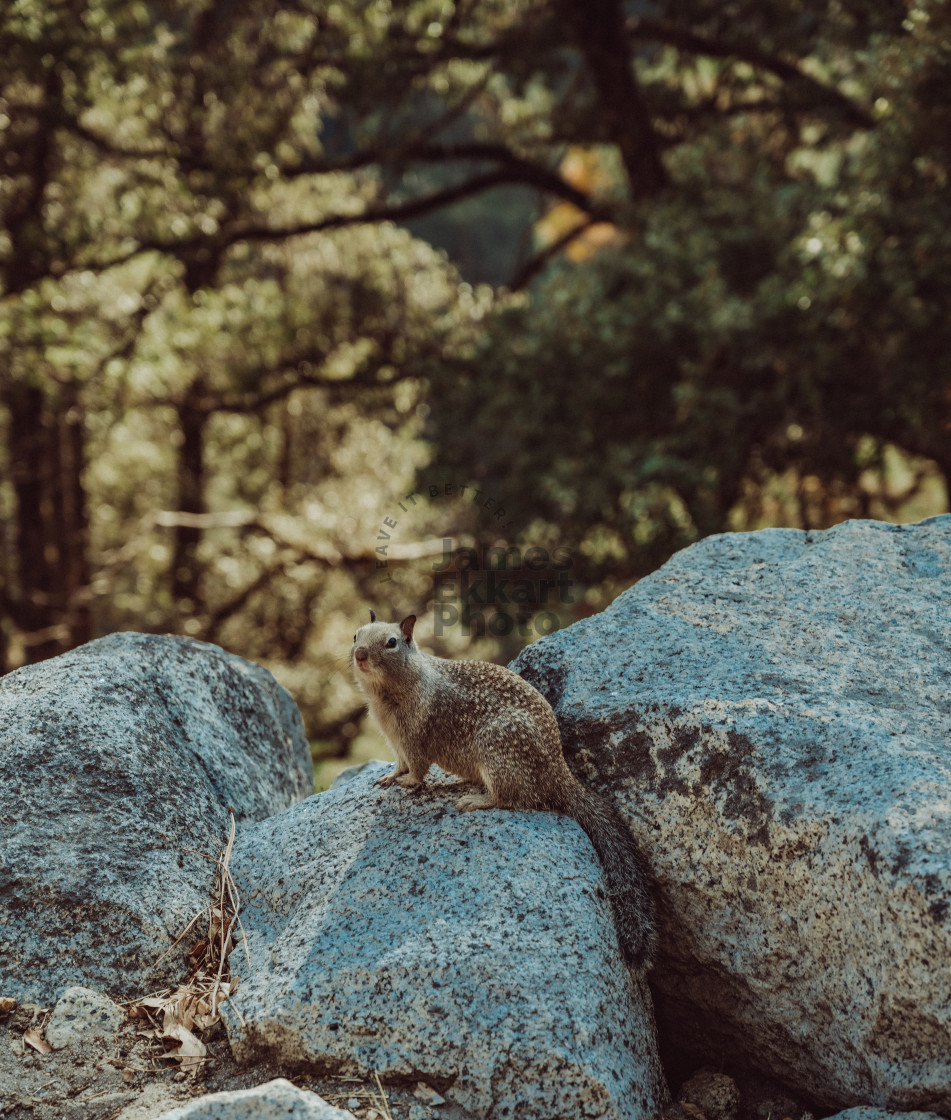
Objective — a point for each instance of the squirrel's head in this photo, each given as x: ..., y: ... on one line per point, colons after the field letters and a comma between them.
x: 381, y: 651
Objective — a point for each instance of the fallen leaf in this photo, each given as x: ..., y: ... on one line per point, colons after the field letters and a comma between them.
x: 178, y: 1018
x: 40, y: 1045
x: 427, y: 1094
x: 7, y: 1004
x: 190, y: 1051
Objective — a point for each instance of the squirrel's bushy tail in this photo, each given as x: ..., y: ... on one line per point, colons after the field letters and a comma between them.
x: 626, y: 875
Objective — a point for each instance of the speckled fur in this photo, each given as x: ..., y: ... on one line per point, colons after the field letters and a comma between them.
x: 484, y: 723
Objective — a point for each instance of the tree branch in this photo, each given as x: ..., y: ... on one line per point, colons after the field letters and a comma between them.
x: 534, y: 265
x: 639, y: 28
x: 510, y: 168
x: 379, y: 153
x: 103, y: 144
x: 516, y: 171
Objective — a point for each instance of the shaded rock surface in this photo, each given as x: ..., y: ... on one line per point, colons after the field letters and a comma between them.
x: 275, y: 1100
x: 474, y: 952
x: 119, y: 762
x: 772, y: 712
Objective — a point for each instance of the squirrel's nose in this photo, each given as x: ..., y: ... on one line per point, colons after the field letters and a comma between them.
x: 360, y: 653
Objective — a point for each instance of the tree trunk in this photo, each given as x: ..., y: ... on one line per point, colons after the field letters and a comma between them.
x: 186, y: 570
x: 71, y: 519
x: 597, y: 30
x: 48, y: 604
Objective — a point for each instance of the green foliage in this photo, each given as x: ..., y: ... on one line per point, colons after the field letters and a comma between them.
x: 235, y: 364
x: 228, y: 350
x: 775, y: 320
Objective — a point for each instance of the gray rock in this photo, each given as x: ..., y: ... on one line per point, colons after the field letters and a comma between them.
x: 389, y: 932
x: 351, y: 772
x: 772, y: 711
x: 119, y: 762
x: 81, y: 1014
x: 275, y: 1100
x: 151, y: 1100
x: 865, y: 1113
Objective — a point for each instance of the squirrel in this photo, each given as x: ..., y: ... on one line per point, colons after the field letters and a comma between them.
x: 486, y: 724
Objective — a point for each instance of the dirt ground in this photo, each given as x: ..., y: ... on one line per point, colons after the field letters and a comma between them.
x: 128, y: 1079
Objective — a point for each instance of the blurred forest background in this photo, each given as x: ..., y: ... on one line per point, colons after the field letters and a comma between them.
x: 589, y: 279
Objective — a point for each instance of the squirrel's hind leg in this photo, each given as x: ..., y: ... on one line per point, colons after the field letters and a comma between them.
x: 476, y: 801
x: 488, y: 800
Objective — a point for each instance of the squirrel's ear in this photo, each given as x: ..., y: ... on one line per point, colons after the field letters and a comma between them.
x: 407, y: 627
x: 372, y: 615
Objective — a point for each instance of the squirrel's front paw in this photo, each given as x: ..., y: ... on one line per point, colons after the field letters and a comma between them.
x: 388, y: 779
x: 407, y: 781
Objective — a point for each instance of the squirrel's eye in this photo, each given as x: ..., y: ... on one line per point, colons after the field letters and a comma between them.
x: 354, y: 637
x: 391, y: 644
